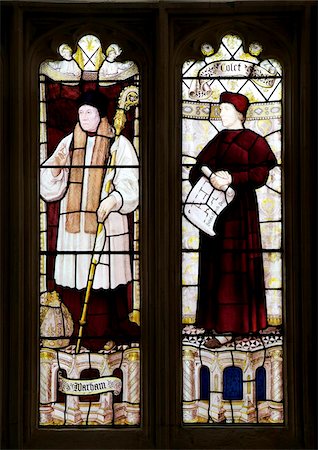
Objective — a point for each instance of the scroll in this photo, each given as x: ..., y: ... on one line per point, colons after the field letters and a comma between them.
x: 205, y: 203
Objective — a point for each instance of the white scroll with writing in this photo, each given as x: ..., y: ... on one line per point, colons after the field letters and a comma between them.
x: 205, y: 203
x: 88, y: 387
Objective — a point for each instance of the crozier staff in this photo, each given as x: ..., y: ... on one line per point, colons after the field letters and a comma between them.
x: 231, y: 278
x: 76, y: 175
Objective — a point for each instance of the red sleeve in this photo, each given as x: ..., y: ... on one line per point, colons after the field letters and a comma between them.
x: 206, y: 157
x: 261, y: 160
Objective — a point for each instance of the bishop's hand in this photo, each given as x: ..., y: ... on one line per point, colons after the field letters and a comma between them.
x: 105, y: 208
x: 59, y: 160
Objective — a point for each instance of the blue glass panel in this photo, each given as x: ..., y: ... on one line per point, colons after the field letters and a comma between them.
x: 260, y: 384
x: 204, y: 383
x: 232, y: 383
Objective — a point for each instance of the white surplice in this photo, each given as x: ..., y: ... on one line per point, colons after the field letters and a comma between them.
x: 71, y: 270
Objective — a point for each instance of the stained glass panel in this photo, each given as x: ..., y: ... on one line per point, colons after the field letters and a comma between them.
x: 232, y: 254
x: 89, y: 237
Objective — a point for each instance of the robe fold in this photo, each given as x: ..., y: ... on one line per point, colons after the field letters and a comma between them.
x: 231, y: 277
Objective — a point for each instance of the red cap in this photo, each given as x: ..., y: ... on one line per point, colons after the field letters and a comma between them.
x: 239, y: 101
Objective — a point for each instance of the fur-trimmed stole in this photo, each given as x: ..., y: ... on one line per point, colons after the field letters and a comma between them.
x: 104, y: 134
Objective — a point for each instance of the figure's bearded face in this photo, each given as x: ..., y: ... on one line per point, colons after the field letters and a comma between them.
x: 89, y: 118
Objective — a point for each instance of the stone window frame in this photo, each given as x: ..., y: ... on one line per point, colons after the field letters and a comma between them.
x: 27, y: 34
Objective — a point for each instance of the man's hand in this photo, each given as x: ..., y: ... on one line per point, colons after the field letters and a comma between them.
x: 106, y: 206
x: 221, y: 180
x: 59, y: 160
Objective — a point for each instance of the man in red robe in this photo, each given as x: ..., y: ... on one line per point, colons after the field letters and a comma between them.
x: 231, y: 277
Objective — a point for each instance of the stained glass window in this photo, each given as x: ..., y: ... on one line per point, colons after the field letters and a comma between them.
x: 232, y: 288
x: 89, y: 241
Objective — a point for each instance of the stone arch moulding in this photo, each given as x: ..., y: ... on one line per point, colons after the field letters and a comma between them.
x: 166, y: 33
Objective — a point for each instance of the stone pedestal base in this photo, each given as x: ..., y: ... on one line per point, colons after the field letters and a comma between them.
x: 104, y: 416
x: 190, y: 412
x: 203, y: 411
x: 46, y: 415
x: 133, y: 414
x: 276, y: 413
x: 248, y: 413
x: 73, y: 413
